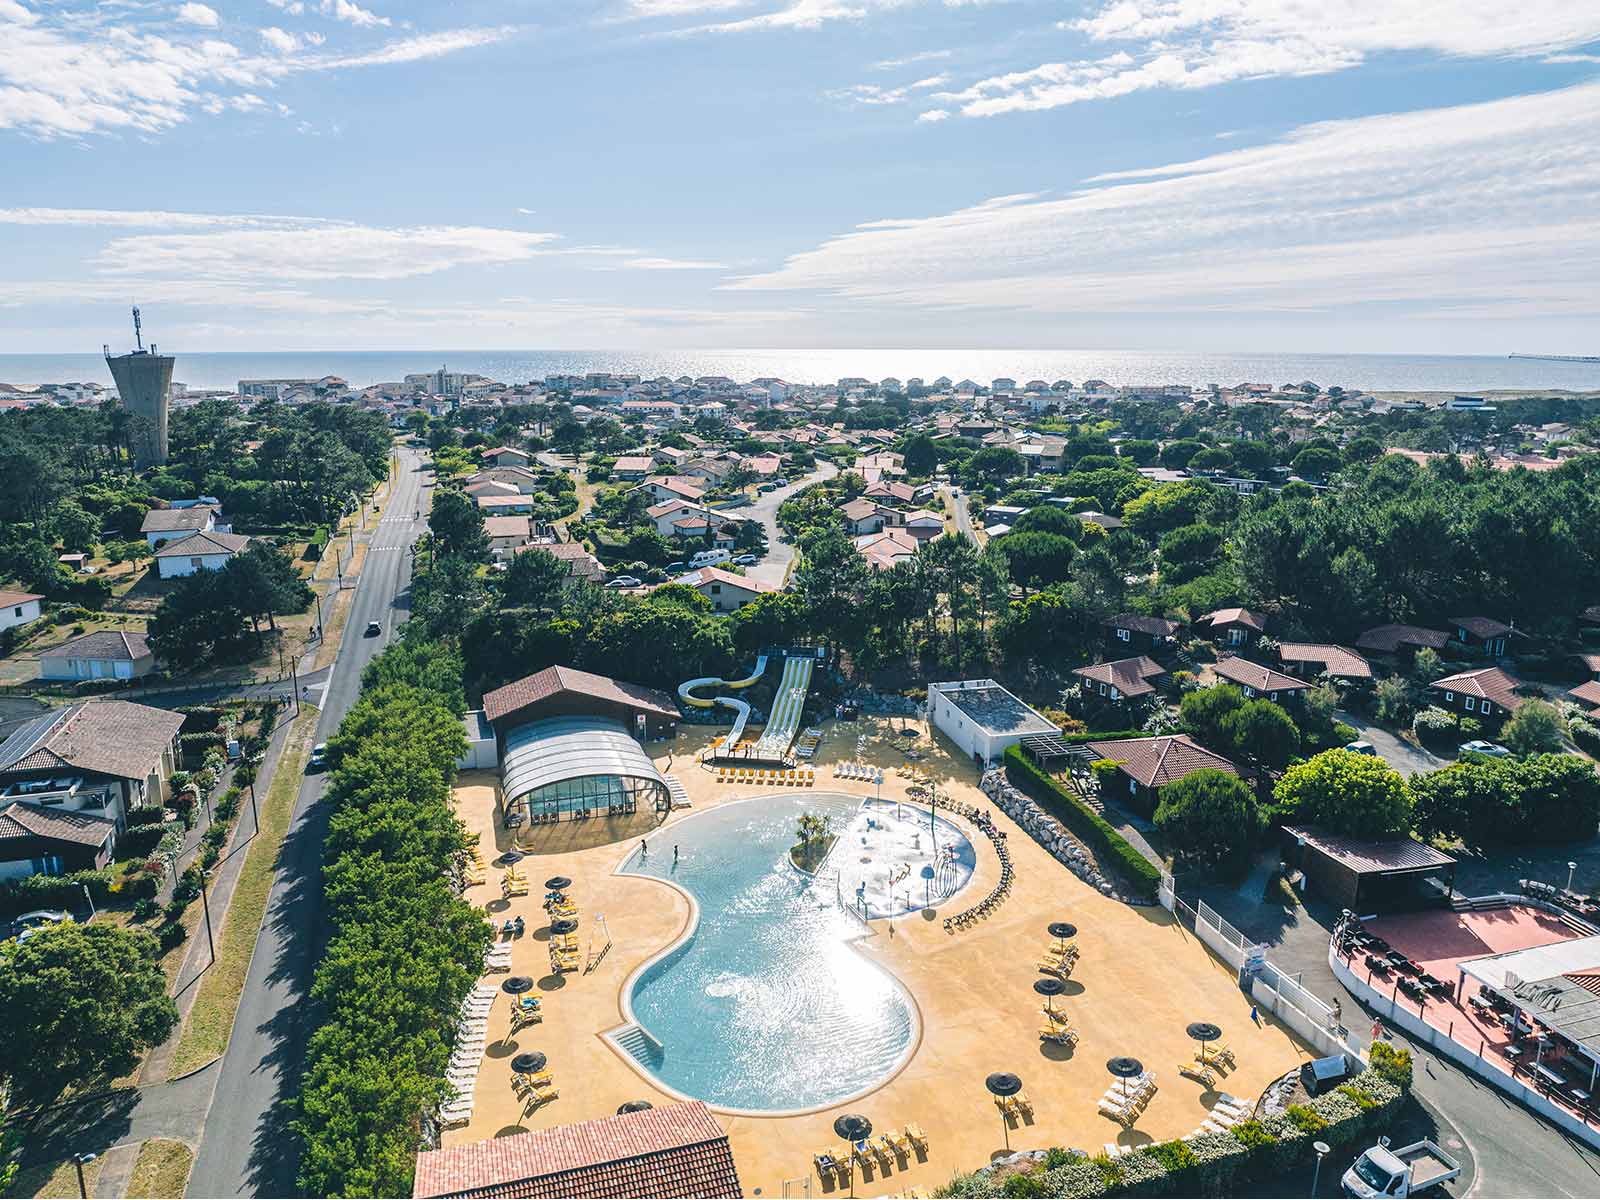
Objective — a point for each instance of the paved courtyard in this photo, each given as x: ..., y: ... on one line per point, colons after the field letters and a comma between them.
x: 1140, y: 981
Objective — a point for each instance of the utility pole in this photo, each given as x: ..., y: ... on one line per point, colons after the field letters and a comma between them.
x: 256, y: 815
x: 82, y: 1160
x: 294, y: 677
x: 205, y: 903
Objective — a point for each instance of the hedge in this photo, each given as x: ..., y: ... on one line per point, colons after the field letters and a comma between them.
x: 1211, y: 1164
x: 1083, y: 821
x: 66, y: 891
x: 201, y: 718
x: 196, y: 746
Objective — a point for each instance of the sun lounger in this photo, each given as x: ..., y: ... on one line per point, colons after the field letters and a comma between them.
x: 918, y: 1138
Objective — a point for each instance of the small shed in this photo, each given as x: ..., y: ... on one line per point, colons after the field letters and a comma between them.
x: 1388, y: 875
x: 482, y: 754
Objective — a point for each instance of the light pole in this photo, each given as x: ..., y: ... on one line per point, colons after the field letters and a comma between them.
x: 1571, y: 867
x: 89, y: 898
x: 80, y: 1161
x: 205, y: 904
x: 1322, y: 1149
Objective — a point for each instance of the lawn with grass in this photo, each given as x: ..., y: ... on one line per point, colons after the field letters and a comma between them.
x: 53, y: 1180
x: 210, y: 1024
x: 161, y: 1170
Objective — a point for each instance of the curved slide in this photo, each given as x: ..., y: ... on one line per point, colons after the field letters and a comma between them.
x: 741, y: 708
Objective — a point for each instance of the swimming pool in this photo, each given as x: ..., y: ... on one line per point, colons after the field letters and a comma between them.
x: 766, y: 1007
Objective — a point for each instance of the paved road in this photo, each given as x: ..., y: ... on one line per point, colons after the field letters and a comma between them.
x: 774, y: 568
x: 246, y: 1148
x: 1398, y: 753
x: 958, y: 503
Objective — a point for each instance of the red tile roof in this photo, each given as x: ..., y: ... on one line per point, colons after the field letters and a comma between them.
x: 676, y: 1150
x: 1335, y: 660
x: 701, y: 576
x: 553, y: 681
x: 1386, y: 639
x: 24, y: 820
x: 1154, y: 626
x: 1587, y: 693
x: 9, y: 598
x: 1483, y: 627
x: 1487, y: 683
x: 1236, y: 616
x: 1158, y: 761
x: 1130, y: 676
x: 1253, y: 675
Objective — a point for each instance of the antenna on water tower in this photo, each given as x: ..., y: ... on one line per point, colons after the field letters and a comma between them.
x: 138, y: 336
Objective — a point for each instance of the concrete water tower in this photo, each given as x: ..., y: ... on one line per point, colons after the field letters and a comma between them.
x: 144, y: 381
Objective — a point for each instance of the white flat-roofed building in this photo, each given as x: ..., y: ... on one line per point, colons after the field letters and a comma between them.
x: 983, y: 718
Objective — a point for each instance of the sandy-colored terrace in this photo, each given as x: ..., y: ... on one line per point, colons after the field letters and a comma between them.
x: 1141, y: 979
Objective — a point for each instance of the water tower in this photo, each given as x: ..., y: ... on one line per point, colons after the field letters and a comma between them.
x: 144, y: 381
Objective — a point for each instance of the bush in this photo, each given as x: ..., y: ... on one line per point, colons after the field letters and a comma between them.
x: 146, y: 816
x: 188, y: 886
x: 215, y: 835
x: 58, y: 891
x: 1434, y: 725
x: 196, y: 746
x: 1025, y: 1185
x: 210, y: 855
x: 144, y: 908
x: 1139, y: 871
x: 1391, y: 1063
x: 1306, y: 1120
x: 201, y: 719
x: 171, y: 934
x: 1252, y: 1134
x: 139, y: 842
x: 227, y: 807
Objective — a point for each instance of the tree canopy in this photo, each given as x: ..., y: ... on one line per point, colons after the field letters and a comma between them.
x: 1345, y: 792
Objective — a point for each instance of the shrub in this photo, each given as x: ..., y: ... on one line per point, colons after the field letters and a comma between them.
x: 215, y: 835
x: 1252, y: 1134
x: 201, y: 719
x: 144, y: 908
x: 1434, y: 725
x: 1025, y: 1185
x: 139, y: 842
x: 1586, y: 734
x: 146, y: 816
x: 210, y: 854
x: 1174, y: 1155
x: 188, y: 886
x: 227, y: 808
x: 1306, y: 1120
x: 1083, y: 1180
x: 1391, y: 1063
x: 175, y: 909
x: 1058, y: 1157
x: 1139, y: 871
x: 171, y: 934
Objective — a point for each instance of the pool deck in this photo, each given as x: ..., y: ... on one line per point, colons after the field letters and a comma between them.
x: 1140, y: 980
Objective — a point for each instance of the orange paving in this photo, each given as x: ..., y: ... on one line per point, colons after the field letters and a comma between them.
x: 1140, y: 980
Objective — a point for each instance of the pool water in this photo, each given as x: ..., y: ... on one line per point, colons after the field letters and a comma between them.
x: 767, y: 1007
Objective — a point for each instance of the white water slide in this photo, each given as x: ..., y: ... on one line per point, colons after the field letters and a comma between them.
x: 741, y: 708
x: 787, y: 705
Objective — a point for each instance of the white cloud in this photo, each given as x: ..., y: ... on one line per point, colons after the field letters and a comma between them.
x: 679, y: 8
x: 293, y: 7
x: 1184, y: 44
x: 527, y: 212
x: 354, y: 14
x: 873, y: 94
x: 800, y: 14
x: 673, y: 264
x: 280, y: 40
x: 202, y: 15
x: 1440, y: 211
x: 933, y: 115
x: 64, y: 76
x: 889, y: 64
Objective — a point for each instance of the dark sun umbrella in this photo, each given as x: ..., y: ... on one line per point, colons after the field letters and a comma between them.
x: 1125, y: 1068
x: 527, y: 1063
x: 1003, y: 1084
x: 1049, y: 987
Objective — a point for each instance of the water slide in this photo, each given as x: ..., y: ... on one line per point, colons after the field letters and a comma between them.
x: 787, y: 705
x: 741, y: 708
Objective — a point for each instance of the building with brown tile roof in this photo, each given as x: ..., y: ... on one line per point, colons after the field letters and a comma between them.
x: 1391, y: 639
x: 104, y: 654
x: 1487, y: 692
x: 1149, y: 764
x: 675, y: 1150
x: 1317, y: 658
x: 580, y: 563
x: 565, y: 691
x: 883, y: 550
x: 1254, y: 679
x: 1235, y: 626
x: 1126, y: 678
x: 1484, y: 634
x: 1587, y: 694
x: 18, y: 608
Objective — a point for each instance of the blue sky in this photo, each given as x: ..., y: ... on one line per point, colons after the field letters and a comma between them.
x: 1317, y: 175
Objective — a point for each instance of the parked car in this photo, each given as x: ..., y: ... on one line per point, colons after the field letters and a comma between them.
x: 771, y: 485
x: 28, y: 924
x: 373, y: 629
x: 626, y: 581
x: 1361, y: 748
x: 319, y: 756
x: 746, y: 560
x: 1487, y: 749
x: 677, y: 568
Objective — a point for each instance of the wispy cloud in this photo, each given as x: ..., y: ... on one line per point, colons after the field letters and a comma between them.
x: 873, y: 94
x: 351, y: 13
x: 201, y: 15
x: 1443, y: 210
x: 673, y: 264
x: 1186, y: 44
x: 890, y: 64
x: 62, y: 76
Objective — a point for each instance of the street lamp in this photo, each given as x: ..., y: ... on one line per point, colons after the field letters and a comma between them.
x: 1322, y: 1149
x: 89, y: 898
x: 1571, y: 867
x: 80, y: 1161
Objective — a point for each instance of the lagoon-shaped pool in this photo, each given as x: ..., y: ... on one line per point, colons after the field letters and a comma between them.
x: 767, y: 1007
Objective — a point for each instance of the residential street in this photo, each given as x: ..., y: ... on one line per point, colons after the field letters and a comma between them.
x: 774, y: 568
x: 246, y: 1148
x: 1397, y: 752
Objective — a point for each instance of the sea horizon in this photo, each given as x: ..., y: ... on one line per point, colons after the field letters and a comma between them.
x: 1374, y: 372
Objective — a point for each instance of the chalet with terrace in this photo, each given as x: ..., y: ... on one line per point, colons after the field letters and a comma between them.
x: 580, y: 563
x: 1401, y: 639
x: 70, y: 777
x: 1257, y: 681
x: 1483, y: 635
x: 1312, y: 659
x: 1487, y: 694
x: 1132, y: 631
x: 1233, y: 626
x: 725, y: 590
x: 1146, y: 765
x: 1123, y: 680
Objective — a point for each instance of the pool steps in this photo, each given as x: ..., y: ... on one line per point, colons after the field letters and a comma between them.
x: 637, y: 1042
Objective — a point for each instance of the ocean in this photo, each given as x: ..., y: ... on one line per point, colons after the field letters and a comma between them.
x: 1368, y: 372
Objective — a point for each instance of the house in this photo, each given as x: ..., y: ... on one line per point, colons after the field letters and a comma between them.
x: 499, y: 504
x: 672, y: 487
x: 1588, y: 695
x: 724, y: 589
x: 1488, y: 694
x: 507, y: 535
x: 581, y: 564
x: 491, y: 487
x: 198, y: 552
x: 1124, y: 679
x: 1397, y: 639
x: 631, y: 467
x: 884, y: 550
x: 104, y: 654
x: 162, y: 525
x: 18, y: 608
x: 1234, y: 626
x: 70, y: 777
x: 1257, y: 681
x: 507, y: 456
x: 1311, y: 659
x: 670, y: 1151
x: 1484, y: 635
x: 924, y: 525
x: 682, y: 519
x: 1146, y: 765
x: 1143, y: 633
x: 893, y: 492
x: 764, y: 465
x: 523, y: 480
x: 982, y: 718
x: 862, y: 516
x: 1105, y: 520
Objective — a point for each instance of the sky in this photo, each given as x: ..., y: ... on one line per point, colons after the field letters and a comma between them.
x: 1251, y: 175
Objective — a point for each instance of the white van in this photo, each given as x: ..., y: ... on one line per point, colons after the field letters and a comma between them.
x: 709, y: 558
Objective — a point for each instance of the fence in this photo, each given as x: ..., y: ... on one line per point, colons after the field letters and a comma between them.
x: 1272, y: 990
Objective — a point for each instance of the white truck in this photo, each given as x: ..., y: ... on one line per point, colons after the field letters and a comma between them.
x: 1409, y: 1171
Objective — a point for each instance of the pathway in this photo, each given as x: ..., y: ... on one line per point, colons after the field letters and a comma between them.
x: 774, y: 567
